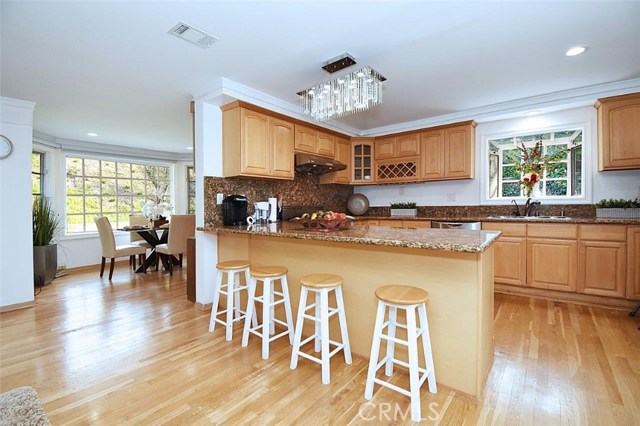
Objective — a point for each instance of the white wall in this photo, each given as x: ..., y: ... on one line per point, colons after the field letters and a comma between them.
x: 16, y: 247
x: 620, y: 184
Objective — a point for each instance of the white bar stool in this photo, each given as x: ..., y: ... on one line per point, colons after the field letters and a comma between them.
x: 321, y: 285
x: 233, y: 269
x: 407, y: 298
x: 268, y: 275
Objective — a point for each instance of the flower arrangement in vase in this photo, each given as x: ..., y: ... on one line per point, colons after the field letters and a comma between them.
x: 533, y: 165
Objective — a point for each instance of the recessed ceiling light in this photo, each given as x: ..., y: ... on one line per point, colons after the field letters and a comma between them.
x: 532, y: 112
x: 576, y: 50
x: 92, y: 134
x: 189, y: 147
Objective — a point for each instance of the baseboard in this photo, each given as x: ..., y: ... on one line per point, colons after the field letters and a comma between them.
x: 17, y: 306
x: 560, y: 296
x: 203, y: 306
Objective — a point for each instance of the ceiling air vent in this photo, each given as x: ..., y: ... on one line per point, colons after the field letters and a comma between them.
x: 192, y: 35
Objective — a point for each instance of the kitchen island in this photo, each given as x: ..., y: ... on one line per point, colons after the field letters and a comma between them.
x: 454, y: 266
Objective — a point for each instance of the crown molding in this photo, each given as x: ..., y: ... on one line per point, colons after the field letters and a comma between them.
x: 120, y: 151
x: 17, y: 103
x: 223, y: 91
x: 566, y: 99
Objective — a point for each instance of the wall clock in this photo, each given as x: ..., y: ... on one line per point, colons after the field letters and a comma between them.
x: 6, y: 147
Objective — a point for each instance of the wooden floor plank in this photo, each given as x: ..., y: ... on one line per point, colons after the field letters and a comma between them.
x: 134, y: 351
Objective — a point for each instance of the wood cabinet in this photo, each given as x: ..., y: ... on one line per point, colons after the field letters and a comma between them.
x: 255, y: 144
x: 448, y: 153
x: 552, y: 264
x: 398, y: 170
x: 602, y: 260
x: 633, y: 262
x: 343, y: 155
x: 395, y: 223
x: 510, y: 255
x: 362, y: 161
x: 314, y: 141
x: 397, y: 146
x: 588, y: 259
x: 619, y: 132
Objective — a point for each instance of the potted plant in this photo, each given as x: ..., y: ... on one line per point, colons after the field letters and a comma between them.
x: 618, y: 208
x: 404, y: 209
x: 46, y: 224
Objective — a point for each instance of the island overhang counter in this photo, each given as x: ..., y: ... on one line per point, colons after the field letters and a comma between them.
x: 454, y: 266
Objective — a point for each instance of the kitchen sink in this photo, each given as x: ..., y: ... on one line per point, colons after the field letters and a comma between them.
x: 529, y: 217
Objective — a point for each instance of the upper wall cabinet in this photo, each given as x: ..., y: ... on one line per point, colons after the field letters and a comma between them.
x: 619, y: 132
x: 314, y: 141
x: 397, y: 146
x: 343, y: 155
x: 255, y: 144
x: 449, y: 152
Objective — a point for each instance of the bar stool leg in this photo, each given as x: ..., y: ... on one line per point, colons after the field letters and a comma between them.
x: 230, y: 287
x: 324, y: 333
x: 247, y: 280
x: 375, y: 351
x: 342, y: 316
x: 426, y: 348
x: 299, y: 325
x: 250, y: 311
x: 216, y: 299
x: 266, y: 313
x: 414, y: 378
x: 388, y: 370
x: 316, y: 343
x: 236, y: 295
x: 287, y: 307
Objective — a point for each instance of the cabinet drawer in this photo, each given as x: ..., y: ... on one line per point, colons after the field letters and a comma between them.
x: 603, y: 232
x: 540, y: 230
x: 390, y: 222
x: 416, y: 224
x: 508, y: 229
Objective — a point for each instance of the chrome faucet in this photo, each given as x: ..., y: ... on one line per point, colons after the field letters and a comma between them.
x: 529, y: 206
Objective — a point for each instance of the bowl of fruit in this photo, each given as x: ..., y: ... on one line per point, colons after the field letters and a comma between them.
x: 322, y: 221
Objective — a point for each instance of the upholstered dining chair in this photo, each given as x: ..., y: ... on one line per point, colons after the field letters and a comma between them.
x: 110, y: 250
x: 134, y: 237
x: 181, y: 227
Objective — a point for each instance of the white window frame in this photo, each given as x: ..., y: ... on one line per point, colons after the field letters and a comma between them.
x: 587, y: 143
x: 114, y: 158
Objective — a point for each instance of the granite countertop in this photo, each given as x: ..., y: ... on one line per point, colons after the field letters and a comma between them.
x: 431, y: 239
x: 583, y: 220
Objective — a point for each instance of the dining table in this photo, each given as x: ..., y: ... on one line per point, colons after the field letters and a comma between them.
x: 154, y: 236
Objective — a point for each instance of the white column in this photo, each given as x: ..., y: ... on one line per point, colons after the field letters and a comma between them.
x: 16, y: 247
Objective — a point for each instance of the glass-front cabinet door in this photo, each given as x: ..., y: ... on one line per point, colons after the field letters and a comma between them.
x: 362, y: 161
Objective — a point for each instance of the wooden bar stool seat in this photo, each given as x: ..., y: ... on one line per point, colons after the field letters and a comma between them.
x: 268, y: 275
x: 321, y: 285
x: 231, y: 290
x: 411, y: 299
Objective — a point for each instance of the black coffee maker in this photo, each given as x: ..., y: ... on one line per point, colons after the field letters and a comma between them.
x: 234, y: 210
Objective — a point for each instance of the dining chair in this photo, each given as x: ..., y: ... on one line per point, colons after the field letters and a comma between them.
x: 134, y: 237
x: 110, y: 250
x: 181, y: 227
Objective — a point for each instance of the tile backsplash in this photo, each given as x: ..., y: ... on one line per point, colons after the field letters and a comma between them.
x: 304, y: 190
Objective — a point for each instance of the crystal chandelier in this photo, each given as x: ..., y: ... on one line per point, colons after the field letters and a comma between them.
x: 351, y: 93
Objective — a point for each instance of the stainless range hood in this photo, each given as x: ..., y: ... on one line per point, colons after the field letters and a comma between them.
x: 316, y: 165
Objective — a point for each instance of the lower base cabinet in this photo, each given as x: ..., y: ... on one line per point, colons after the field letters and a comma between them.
x: 596, y: 260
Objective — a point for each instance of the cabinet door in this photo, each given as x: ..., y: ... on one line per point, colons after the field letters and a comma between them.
x: 385, y: 148
x: 552, y: 264
x: 407, y: 145
x: 602, y: 268
x: 362, y: 162
x: 306, y: 139
x: 619, y: 133
x: 254, y: 150
x: 633, y: 263
x: 458, y: 152
x: 432, y: 154
x: 282, y: 135
x: 510, y: 261
x: 390, y: 222
x: 326, y: 145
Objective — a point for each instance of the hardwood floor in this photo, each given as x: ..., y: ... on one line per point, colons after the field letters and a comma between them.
x: 136, y: 352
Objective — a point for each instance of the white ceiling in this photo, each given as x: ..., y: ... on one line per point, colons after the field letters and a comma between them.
x: 111, y: 68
